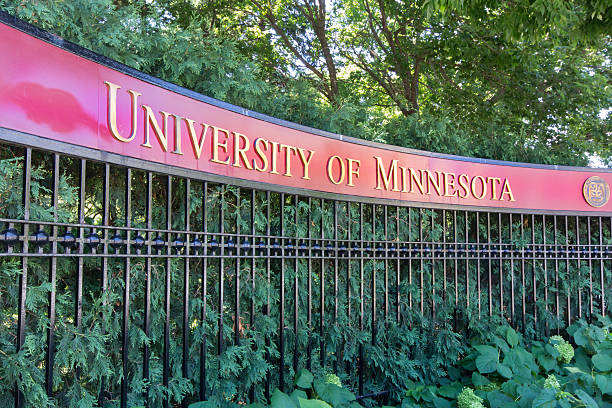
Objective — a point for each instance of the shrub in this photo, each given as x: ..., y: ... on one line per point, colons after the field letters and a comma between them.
x: 500, y: 370
x: 504, y: 370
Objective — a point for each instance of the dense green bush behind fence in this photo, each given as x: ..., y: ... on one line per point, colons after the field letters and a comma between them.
x: 441, y: 301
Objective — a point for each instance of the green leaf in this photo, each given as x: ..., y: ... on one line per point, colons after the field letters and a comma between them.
x: 513, y: 359
x: 546, y: 361
x: 546, y: 398
x: 504, y: 371
x: 441, y: 403
x: 450, y: 390
x: 604, y: 384
x: 596, y: 333
x: 510, y: 387
x: 486, y: 350
x: 576, y: 370
x: 414, y: 392
x: 486, y: 362
x: 498, y: 399
x: 332, y: 393
x: 281, y: 400
x: 454, y: 373
x: 528, y: 360
x: 501, y: 344
x: 583, y: 360
x: 313, y: 403
x: 550, y: 349
x: 296, y: 395
x: 479, y: 380
x: 303, y: 379
x: 512, y: 337
x: 580, y: 338
x: 429, y: 393
x: 588, y: 401
x: 602, y: 362
x: 527, y: 394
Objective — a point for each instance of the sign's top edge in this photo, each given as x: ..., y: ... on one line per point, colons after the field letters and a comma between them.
x: 46, y: 36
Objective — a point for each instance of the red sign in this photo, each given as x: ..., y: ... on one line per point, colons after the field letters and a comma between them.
x: 50, y: 92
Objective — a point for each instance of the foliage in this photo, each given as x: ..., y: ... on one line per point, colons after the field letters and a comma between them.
x: 499, y: 370
x: 311, y: 392
x: 502, y: 370
x: 584, y: 20
x: 523, y: 81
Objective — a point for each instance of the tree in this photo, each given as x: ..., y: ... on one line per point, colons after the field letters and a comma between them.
x: 583, y: 20
x: 541, y: 91
x: 303, y: 31
x: 515, y: 81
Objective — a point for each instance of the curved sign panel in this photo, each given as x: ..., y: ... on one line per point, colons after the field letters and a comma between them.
x: 50, y: 92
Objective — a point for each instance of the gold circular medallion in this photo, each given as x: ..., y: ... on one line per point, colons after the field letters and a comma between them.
x: 596, y: 191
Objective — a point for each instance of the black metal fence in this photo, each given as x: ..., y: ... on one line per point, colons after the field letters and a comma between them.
x: 276, y: 271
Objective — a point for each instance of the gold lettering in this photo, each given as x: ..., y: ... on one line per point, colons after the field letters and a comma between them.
x: 274, y: 156
x: 216, y: 145
x: 197, y: 145
x: 352, y: 171
x: 449, y: 184
x: 305, y: 162
x: 112, y: 112
x: 240, y: 152
x: 162, y: 136
x: 177, y: 135
x: 288, y: 151
x: 330, y: 164
x: 473, y: 188
x: 418, y: 181
x: 506, y: 190
x: 380, y: 174
x: 436, y: 184
x: 404, y: 179
x: 494, y: 180
x: 464, y: 180
x: 260, y: 154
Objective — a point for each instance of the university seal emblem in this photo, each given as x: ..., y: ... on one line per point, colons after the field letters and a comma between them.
x: 596, y: 191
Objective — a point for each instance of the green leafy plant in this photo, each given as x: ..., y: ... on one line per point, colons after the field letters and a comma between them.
x: 311, y: 392
x: 502, y: 370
